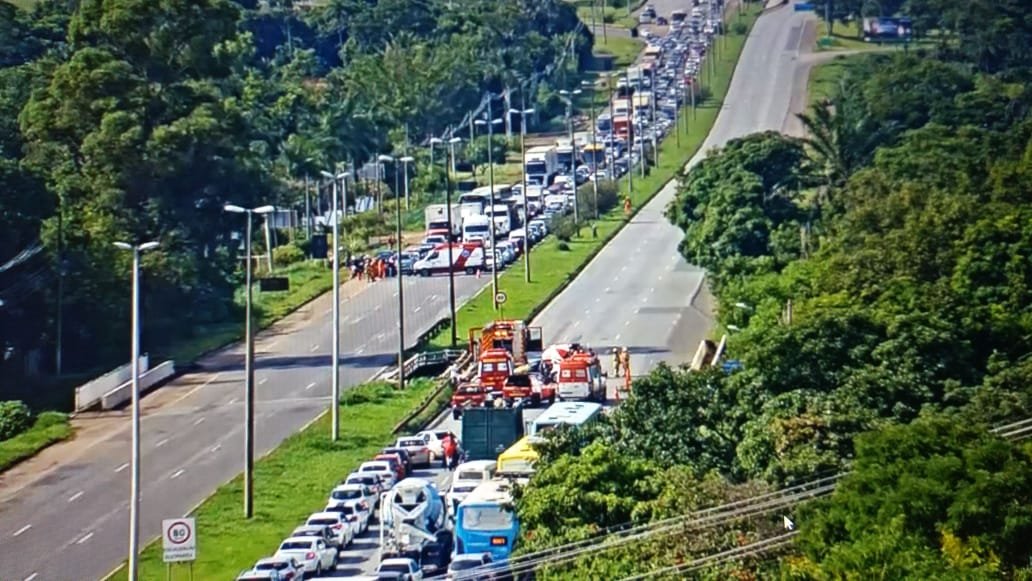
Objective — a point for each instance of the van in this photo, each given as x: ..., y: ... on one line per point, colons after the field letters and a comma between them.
x: 468, y: 257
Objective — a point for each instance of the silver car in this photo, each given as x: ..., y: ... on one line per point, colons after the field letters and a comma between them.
x: 418, y: 450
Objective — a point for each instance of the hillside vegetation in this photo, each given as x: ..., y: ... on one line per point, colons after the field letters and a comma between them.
x: 875, y: 284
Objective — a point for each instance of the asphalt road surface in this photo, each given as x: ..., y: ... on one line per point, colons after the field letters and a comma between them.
x: 639, y: 292
x: 72, y: 524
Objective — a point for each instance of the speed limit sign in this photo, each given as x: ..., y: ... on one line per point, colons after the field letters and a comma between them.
x: 179, y: 539
x: 501, y: 297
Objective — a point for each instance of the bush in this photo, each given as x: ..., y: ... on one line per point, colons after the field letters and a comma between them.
x: 607, y: 198
x: 740, y: 28
x: 564, y: 228
x: 15, y: 418
x: 286, y: 255
x: 563, y: 246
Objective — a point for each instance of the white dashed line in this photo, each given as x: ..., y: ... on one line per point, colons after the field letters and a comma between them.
x: 84, y: 539
x: 75, y: 496
x: 232, y: 401
x: 31, y: 577
x: 22, y: 530
x: 617, y: 338
x: 122, y: 467
x: 199, y: 421
x: 607, y: 289
x: 652, y: 290
x: 623, y: 268
x: 416, y: 310
x: 263, y: 380
x: 177, y: 473
x: 627, y: 323
x: 216, y: 448
x: 360, y: 351
x: 309, y: 386
x: 378, y: 307
x: 314, y: 347
x: 161, y: 443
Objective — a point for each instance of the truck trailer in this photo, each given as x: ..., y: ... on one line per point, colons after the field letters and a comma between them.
x: 436, y: 220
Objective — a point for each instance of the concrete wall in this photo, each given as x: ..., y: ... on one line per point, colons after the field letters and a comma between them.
x: 123, y: 393
x: 89, y: 394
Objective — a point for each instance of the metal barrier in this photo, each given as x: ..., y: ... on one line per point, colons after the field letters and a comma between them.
x: 420, y: 360
x: 124, y: 392
x: 443, y: 383
x: 90, y: 393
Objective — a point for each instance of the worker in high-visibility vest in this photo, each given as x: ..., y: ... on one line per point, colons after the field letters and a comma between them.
x: 616, y: 362
x: 627, y: 205
x: 625, y: 362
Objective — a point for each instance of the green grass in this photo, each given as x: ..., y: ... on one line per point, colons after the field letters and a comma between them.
x: 846, y: 36
x: 290, y: 483
x: 552, y: 268
x: 623, y: 49
x: 49, y: 428
x: 824, y: 78
x: 308, y: 280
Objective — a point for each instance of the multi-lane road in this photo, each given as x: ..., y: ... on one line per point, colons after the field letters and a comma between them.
x: 70, y: 523
x: 639, y: 292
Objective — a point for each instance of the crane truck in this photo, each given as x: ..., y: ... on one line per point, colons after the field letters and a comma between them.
x: 414, y: 525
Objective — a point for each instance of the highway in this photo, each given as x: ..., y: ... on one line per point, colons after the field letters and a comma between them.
x: 638, y: 291
x: 79, y: 509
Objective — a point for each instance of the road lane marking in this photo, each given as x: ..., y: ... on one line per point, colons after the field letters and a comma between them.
x: 199, y: 421
x: 627, y: 322
x: 84, y: 539
x: 598, y: 299
x: 31, y: 577
x: 232, y: 401
x: 360, y: 351
x: 75, y: 496
x: 216, y: 448
x: 22, y: 530
x: 430, y: 298
x: 314, y: 347
x: 617, y: 338
x: 263, y: 380
x: 378, y: 307
x: 416, y: 310
x: 623, y: 268
x: 122, y: 467
x: 607, y: 289
x: 192, y: 391
x: 161, y: 443
x: 652, y: 290
x: 309, y: 386
x: 177, y: 473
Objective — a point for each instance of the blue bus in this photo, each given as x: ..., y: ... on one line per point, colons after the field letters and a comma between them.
x: 571, y: 413
x: 485, y: 521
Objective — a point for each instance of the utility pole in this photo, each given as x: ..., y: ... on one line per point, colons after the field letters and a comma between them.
x: 451, y: 248
x: 524, y: 112
x: 490, y: 168
x: 594, y: 146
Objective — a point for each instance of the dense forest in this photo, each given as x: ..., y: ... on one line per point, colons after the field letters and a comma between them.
x: 139, y: 119
x: 875, y: 283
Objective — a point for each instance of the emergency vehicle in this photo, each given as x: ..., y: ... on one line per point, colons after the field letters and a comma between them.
x: 467, y: 257
x: 576, y: 373
x: 466, y: 395
x: 528, y: 387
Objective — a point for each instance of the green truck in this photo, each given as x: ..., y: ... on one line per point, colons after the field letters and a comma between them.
x: 487, y: 432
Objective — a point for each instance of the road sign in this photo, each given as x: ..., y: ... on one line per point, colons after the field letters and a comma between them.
x: 179, y: 539
x: 501, y: 297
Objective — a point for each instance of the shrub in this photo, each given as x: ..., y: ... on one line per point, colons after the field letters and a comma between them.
x: 740, y: 28
x: 563, y: 246
x: 15, y: 418
x: 564, y: 228
x: 286, y: 255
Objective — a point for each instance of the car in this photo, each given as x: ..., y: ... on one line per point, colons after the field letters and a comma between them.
x: 408, y: 568
x: 397, y: 464
x: 313, y: 554
x: 435, y: 441
x: 471, y: 566
x: 346, y: 492
x: 383, y: 469
x: 407, y: 260
x: 468, y: 476
x: 323, y: 532
x: 352, y: 514
x: 251, y: 575
x: 416, y: 448
x: 435, y: 239
x: 337, y: 522
x: 287, y: 567
x: 373, y: 481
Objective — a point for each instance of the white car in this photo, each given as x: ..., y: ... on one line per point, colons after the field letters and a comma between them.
x: 407, y: 567
x: 349, y: 492
x: 381, y: 469
x: 435, y: 441
x: 356, y: 511
x: 373, y: 481
x: 289, y: 568
x: 418, y: 451
x: 468, y: 476
x: 313, y: 554
x: 336, y: 521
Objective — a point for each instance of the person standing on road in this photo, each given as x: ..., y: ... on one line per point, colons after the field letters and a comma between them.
x: 616, y: 362
x: 450, y: 450
x: 625, y: 362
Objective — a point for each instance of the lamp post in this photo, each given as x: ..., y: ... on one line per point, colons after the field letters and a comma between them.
x: 594, y: 145
x: 451, y: 249
x: 523, y: 156
x: 612, y: 81
x: 335, y: 335
x: 401, y: 287
x: 405, y: 161
x: 134, y: 483
x: 568, y: 97
x: 248, y: 363
x: 434, y: 141
x: 491, y: 122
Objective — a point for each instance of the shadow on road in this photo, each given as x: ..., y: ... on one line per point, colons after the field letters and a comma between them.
x: 375, y: 360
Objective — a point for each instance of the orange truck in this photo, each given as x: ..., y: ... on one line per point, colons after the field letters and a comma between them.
x: 526, y: 386
x: 467, y: 395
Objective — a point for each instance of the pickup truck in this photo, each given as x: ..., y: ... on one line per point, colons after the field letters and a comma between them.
x: 528, y: 386
x: 467, y: 395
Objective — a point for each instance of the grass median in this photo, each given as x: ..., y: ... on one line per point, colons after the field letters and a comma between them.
x: 291, y: 482
x: 49, y: 428
x: 553, y: 268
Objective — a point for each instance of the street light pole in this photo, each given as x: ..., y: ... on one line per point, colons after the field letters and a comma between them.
x: 335, y: 334
x: 526, y: 206
x: 405, y: 161
x: 573, y: 155
x: 594, y: 146
x: 134, y: 483
x: 490, y: 170
x: 451, y: 248
x: 248, y: 362
x: 401, y: 286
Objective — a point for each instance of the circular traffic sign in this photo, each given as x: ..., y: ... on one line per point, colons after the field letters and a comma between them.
x: 501, y: 297
x: 179, y: 532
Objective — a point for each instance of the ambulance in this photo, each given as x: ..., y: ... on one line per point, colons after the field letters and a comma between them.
x: 468, y: 257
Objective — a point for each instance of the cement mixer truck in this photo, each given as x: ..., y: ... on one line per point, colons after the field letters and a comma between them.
x: 413, y: 525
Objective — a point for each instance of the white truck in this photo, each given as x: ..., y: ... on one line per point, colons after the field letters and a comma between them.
x: 477, y: 229
x: 566, y: 154
x: 414, y: 525
x: 502, y: 216
x: 542, y: 164
x: 463, y: 257
x: 435, y: 218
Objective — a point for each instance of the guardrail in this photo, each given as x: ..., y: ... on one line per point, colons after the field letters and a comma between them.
x: 420, y: 360
x: 92, y: 392
x: 124, y: 392
x: 443, y: 383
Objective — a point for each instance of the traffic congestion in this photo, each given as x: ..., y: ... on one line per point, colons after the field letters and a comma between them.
x: 437, y: 504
